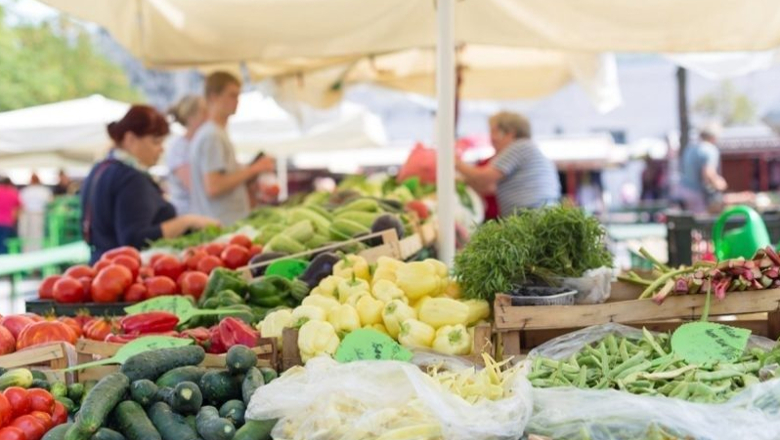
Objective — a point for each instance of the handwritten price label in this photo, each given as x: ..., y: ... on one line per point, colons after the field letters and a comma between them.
x: 366, y: 344
x: 707, y: 342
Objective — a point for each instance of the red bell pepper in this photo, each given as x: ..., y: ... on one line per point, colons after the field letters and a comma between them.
x: 234, y: 331
x: 215, y: 345
x: 149, y: 322
x: 124, y: 339
x: 201, y: 335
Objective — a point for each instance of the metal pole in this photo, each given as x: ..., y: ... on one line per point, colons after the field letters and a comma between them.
x: 445, y: 142
x: 281, y: 176
x: 682, y: 106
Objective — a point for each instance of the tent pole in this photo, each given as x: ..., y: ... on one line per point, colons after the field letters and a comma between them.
x: 281, y: 176
x: 445, y: 91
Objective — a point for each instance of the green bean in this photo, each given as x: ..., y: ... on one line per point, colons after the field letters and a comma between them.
x: 542, y: 383
x: 623, y: 350
x: 635, y: 370
x: 632, y: 362
x: 538, y: 374
x: 669, y: 374
x: 590, y: 360
x: 612, y: 345
x: 559, y: 365
x: 717, y: 375
x: 604, y: 360
x: 583, y: 376
x: 746, y: 367
x: 573, y: 361
x: 650, y: 340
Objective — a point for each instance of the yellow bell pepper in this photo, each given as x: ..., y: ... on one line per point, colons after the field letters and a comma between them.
x: 324, y: 302
x: 378, y: 327
x: 344, y: 319
x: 479, y: 309
x: 385, y: 269
x: 355, y: 297
x: 394, y: 313
x: 328, y: 286
x: 387, y: 291
x: 347, y: 288
x: 302, y: 314
x: 452, y: 339
x: 418, y: 279
x: 317, y: 338
x: 418, y: 305
x: 452, y: 289
x: 274, y: 323
x: 438, y: 312
x: 441, y: 268
x: 416, y: 334
x: 352, y: 265
x: 370, y: 310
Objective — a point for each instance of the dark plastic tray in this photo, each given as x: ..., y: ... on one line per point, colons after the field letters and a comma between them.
x: 43, y: 307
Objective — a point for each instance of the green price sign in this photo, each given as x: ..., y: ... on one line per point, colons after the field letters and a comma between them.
x: 366, y: 344
x: 706, y: 342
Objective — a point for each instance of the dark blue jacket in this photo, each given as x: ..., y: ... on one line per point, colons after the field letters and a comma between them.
x: 123, y: 208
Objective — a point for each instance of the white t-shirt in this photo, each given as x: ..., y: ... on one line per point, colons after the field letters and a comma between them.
x: 34, y: 198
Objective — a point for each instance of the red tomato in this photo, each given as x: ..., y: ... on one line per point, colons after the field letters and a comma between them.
x: 215, y: 249
x: 45, y: 290
x: 80, y: 271
x: 32, y: 427
x: 68, y: 290
x: 60, y: 414
x: 110, y: 283
x: 100, y: 265
x: 209, y: 263
x: 70, y: 322
x: 86, y: 283
x: 40, y: 333
x: 19, y: 400
x: 34, y: 316
x: 7, y: 341
x: 145, y: 272
x: 41, y: 400
x: 83, y: 317
x: 168, y: 266
x: 193, y: 283
x: 156, y: 257
x: 241, y: 240
x: 124, y: 250
x: 12, y: 433
x: 135, y: 293
x: 48, y: 423
x: 159, y: 286
x: 16, y: 323
x: 128, y: 262
x: 192, y: 257
x: 235, y: 256
x: 254, y: 250
x: 6, y: 411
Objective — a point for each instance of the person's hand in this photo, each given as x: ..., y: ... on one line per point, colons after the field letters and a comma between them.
x: 721, y: 185
x: 201, y: 221
x: 263, y: 165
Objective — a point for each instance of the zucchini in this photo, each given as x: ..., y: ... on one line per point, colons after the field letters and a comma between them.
x: 18, y: 377
x: 173, y: 377
x: 99, y: 403
x: 144, y: 392
x: 170, y: 425
x: 212, y: 427
x: 269, y: 374
x: 38, y: 383
x: 107, y: 434
x: 76, y: 391
x: 240, y: 359
x: 58, y: 389
x: 255, y: 430
x: 58, y: 432
x: 38, y: 374
x: 133, y: 423
x: 220, y: 386
x: 233, y: 410
x: 252, y: 381
x: 152, y: 364
x: 185, y: 399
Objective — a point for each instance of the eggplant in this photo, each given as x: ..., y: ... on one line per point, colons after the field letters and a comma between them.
x: 262, y: 257
x: 383, y: 223
x: 319, y: 268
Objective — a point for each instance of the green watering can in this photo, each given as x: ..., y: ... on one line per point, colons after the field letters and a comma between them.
x: 743, y: 241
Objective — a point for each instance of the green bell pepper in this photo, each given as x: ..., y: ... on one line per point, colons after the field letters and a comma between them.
x: 223, y: 279
x: 227, y: 298
x: 269, y: 291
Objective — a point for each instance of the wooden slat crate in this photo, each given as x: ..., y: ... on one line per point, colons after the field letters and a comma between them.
x: 522, y: 328
x: 49, y: 359
x: 291, y: 356
x: 89, y: 350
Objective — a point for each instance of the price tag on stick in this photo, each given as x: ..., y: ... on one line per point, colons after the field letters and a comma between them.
x: 367, y: 344
x: 132, y: 348
x: 706, y: 342
x: 178, y: 305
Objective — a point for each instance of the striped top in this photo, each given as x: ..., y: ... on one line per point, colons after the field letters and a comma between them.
x: 530, y: 179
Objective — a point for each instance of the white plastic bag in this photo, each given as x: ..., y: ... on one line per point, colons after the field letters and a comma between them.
x: 576, y: 414
x: 593, y: 287
x: 363, y: 400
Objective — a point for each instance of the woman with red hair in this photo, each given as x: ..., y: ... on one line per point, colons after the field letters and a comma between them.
x: 121, y: 204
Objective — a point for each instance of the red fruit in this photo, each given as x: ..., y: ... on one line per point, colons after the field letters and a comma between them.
x: 33, y: 428
x: 254, y: 250
x: 19, y: 400
x: 209, y: 263
x: 100, y: 328
x: 241, y: 240
x: 168, y: 266
x: 124, y: 250
x: 6, y: 411
x: 192, y: 257
x: 12, y: 433
x: 155, y: 258
x: 7, y: 341
x: 80, y: 271
x: 128, y: 262
x: 83, y: 317
x: 235, y: 256
x: 45, y: 417
x: 70, y: 322
x: 193, y: 283
x: 45, y: 332
x: 110, y: 283
x: 145, y: 272
x: 86, y: 283
x: 45, y: 290
x: 159, y: 286
x: 68, y: 290
x: 41, y: 400
x: 34, y: 316
x: 215, y: 249
x: 418, y: 207
x: 102, y: 264
x: 60, y: 414
x: 16, y: 323
x: 135, y: 293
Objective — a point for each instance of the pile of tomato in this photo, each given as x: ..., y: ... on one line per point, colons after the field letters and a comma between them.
x: 29, y: 414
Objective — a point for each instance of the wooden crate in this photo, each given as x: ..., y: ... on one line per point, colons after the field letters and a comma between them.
x: 291, y: 356
x: 49, y: 359
x: 89, y: 350
x: 521, y: 328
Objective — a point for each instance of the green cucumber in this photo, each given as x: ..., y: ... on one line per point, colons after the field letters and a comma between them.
x: 252, y: 381
x: 220, y: 386
x: 185, y: 399
x: 173, y: 377
x: 38, y: 374
x: 69, y: 404
x: 58, y: 432
x: 107, y: 434
x: 144, y: 392
x: 100, y: 401
x: 269, y: 374
x: 255, y: 430
x: 76, y: 391
x: 38, y: 383
x: 233, y: 410
x: 212, y: 427
x: 240, y: 359
x: 133, y: 422
x: 170, y: 425
x: 18, y: 377
x: 58, y: 389
x: 152, y: 364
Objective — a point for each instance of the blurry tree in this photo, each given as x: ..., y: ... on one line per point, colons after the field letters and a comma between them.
x: 727, y: 105
x: 54, y: 61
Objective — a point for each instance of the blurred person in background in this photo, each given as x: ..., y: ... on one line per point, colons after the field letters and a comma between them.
x: 9, y: 210
x: 63, y: 184
x: 121, y: 204
x: 190, y: 112
x: 702, y: 186
x: 35, y: 197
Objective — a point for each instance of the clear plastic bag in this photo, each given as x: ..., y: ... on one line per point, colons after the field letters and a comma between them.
x: 577, y: 414
x: 593, y: 287
x: 363, y: 400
